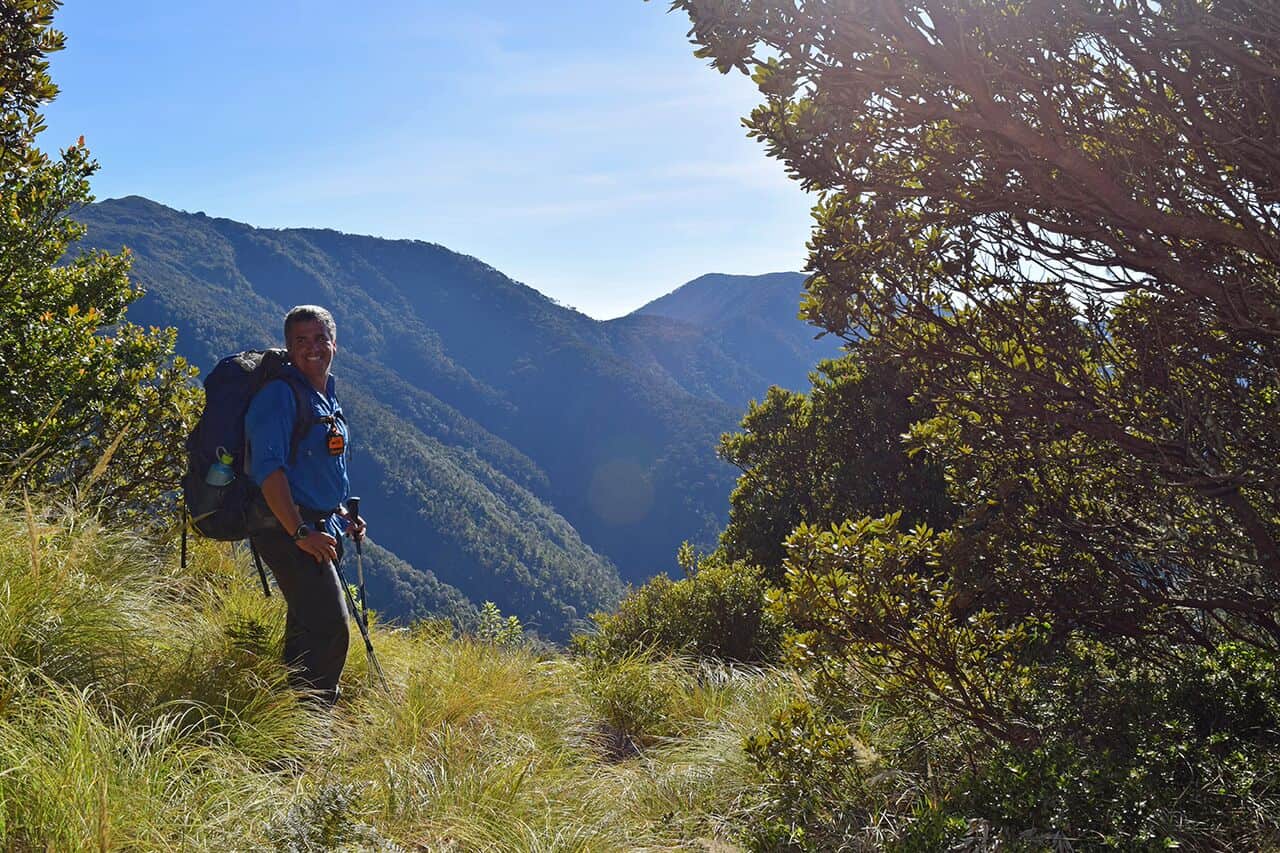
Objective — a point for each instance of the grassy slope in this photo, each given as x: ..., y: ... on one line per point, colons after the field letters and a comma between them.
x: 143, y: 708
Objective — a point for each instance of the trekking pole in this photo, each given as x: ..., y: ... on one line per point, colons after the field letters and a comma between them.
x: 353, y: 509
x: 364, y: 629
x: 262, y: 575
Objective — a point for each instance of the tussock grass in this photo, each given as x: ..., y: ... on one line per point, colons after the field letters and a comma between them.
x: 73, y: 597
x: 79, y: 776
x: 145, y: 708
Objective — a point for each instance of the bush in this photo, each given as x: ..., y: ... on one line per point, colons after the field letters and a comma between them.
x: 1144, y: 757
x: 91, y: 402
x: 832, y: 453
x: 1134, y: 757
x: 813, y: 769
x: 493, y: 628
x: 719, y: 610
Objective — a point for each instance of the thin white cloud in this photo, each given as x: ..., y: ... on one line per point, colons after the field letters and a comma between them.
x: 755, y: 171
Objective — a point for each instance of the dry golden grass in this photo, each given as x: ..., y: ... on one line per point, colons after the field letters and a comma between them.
x: 144, y: 708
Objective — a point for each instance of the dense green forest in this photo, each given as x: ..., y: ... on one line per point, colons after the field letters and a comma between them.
x: 512, y: 447
x: 1004, y: 576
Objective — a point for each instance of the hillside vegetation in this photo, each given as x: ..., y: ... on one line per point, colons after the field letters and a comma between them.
x: 1005, y: 577
x: 444, y: 492
x: 477, y: 402
x: 743, y: 317
x: 145, y: 708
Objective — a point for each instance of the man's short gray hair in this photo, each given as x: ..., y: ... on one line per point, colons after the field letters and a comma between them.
x: 304, y: 313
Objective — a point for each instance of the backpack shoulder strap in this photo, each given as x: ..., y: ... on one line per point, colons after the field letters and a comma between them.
x: 303, y: 419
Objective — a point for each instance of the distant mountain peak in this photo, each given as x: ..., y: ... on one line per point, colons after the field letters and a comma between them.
x: 709, y: 298
x: 729, y: 336
x: 512, y: 449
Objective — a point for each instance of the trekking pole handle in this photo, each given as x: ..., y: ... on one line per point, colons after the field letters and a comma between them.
x: 353, y: 510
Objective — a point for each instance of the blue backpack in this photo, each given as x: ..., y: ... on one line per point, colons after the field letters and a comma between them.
x: 234, y: 511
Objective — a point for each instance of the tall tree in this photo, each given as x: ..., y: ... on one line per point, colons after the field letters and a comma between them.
x: 1063, y: 214
x: 88, y: 399
x: 1062, y: 219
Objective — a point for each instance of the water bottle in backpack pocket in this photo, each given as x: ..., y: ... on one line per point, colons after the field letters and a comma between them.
x: 208, y: 497
x: 220, y: 472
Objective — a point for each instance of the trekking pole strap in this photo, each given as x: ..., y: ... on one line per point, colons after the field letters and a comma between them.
x: 262, y: 575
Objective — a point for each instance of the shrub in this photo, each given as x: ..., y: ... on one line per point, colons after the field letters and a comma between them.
x: 493, y: 628
x: 1134, y: 756
x: 719, y: 610
x: 812, y: 765
x: 91, y: 401
x: 1143, y: 757
x: 832, y: 453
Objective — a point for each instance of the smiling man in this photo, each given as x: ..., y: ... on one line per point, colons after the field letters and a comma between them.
x: 298, y: 447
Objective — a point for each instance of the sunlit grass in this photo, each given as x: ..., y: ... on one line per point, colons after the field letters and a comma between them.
x: 80, y: 776
x: 145, y: 708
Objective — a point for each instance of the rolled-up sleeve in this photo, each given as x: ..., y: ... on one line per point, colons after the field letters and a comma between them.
x: 268, y: 427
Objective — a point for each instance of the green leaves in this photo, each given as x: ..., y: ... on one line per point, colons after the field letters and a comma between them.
x: 719, y: 610
x: 1057, y: 224
x: 91, y: 401
x: 1041, y: 217
x: 834, y: 453
x: 869, y: 597
x: 492, y: 628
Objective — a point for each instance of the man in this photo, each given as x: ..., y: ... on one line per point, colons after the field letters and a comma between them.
x: 305, y: 487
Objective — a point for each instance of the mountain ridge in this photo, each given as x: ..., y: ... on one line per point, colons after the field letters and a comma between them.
x: 514, y: 448
x: 738, y: 315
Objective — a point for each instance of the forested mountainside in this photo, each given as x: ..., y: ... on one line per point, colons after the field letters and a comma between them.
x: 725, y: 337
x: 1004, y: 577
x: 750, y: 321
x: 514, y: 448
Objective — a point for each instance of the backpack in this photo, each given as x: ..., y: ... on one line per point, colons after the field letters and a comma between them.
x: 230, y: 513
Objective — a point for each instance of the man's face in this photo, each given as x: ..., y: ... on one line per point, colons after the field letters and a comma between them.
x: 311, y: 350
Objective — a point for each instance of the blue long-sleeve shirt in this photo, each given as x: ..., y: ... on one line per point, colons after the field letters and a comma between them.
x: 317, y: 479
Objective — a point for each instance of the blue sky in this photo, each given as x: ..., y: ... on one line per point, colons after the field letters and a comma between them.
x: 576, y: 145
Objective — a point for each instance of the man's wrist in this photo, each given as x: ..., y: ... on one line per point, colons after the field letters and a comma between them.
x: 302, y: 531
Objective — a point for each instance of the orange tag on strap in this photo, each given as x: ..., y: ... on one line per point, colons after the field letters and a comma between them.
x: 337, y: 444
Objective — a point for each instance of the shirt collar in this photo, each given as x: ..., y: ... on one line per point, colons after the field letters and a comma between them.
x: 329, y: 384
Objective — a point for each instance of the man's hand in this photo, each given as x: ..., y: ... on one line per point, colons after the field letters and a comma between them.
x: 355, y: 526
x: 320, y: 545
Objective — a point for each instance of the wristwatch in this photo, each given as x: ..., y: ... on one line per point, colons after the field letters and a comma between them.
x: 303, y: 531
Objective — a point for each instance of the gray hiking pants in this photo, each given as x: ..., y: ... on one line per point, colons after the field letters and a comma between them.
x: 315, y: 629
